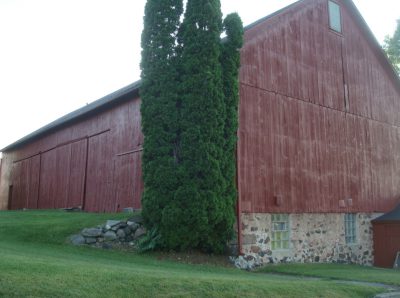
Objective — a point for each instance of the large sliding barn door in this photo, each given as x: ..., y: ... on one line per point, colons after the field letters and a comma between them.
x: 99, y: 183
x: 128, y: 180
x: 25, y: 183
x: 62, y: 176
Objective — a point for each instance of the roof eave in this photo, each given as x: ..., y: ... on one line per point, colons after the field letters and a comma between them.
x: 95, y: 106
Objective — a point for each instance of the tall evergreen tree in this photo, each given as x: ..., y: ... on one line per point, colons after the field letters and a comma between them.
x: 189, y: 120
x: 198, y: 209
x: 230, y: 61
x: 159, y: 114
x: 392, y: 48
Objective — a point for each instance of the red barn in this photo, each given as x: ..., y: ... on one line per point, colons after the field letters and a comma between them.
x: 318, y: 151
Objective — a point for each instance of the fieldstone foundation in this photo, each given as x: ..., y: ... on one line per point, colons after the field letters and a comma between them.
x: 314, y: 238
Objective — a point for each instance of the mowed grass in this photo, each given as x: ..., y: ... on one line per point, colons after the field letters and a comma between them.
x: 339, y: 272
x: 37, y: 261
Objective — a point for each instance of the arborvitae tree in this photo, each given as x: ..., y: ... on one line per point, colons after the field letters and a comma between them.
x: 189, y: 121
x: 159, y: 114
x: 196, y: 216
x: 392, y: 48
x: 230, y: 61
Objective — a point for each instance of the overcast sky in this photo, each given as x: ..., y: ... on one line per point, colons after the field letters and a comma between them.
x: 58, y: 55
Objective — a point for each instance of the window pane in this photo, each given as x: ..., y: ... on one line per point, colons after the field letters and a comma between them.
x: 350, y: 228
x: 334, y: 17
x: 280, y: 231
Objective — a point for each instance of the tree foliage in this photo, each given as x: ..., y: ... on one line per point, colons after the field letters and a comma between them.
x: 197, y: 201
x: 230, y: 61
x: 158, y: 109
x: 392, y: 48
x: 189, y: 112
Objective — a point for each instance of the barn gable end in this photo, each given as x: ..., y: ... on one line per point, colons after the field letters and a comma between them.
x: 318, y: 136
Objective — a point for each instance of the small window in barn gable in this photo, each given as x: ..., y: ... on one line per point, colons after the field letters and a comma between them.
x: 350, y: 228
x: 280, y: 231
x: 335, y: 22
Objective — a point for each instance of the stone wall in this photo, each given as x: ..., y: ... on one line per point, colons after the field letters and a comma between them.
x: 313, y: 238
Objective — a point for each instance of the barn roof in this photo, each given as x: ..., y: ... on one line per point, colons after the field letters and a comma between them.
x: 102, y: 103
x: 133, y: 88
x: 393, y: 215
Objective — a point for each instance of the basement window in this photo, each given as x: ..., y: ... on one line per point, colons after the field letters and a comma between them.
x: 335, y: 20
x: 350, y: 228
x: 280, y: 231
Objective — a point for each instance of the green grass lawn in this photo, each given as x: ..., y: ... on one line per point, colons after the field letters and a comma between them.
x: 336, y: 271
x: 37, y: 261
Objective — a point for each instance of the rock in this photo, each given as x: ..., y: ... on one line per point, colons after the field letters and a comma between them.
x: 90, y: 240
x: 139, y: 232
x: 122, y: 225
x: 133, y: 225
x: 91, y: 232
x: 121, y: 233
x: 77, y: 239
x: 127, y: 230
x: 110, y: 236
x: 137, y: 219
x: 128, y: 210
x: 111, y: 223
x: 115, y: 228
x: 249, y: 239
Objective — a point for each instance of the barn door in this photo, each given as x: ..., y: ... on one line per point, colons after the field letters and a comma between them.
x: 98, y: 197
x: 77, y: 172
x: 128, y: 180
x: 62, y: 176
x: 24, y: 188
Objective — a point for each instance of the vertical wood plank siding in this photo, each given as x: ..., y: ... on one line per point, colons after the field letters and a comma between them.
x: 301, y: 148
x: 386, y: 243
x: 319, y: 130
x: 79, y: 165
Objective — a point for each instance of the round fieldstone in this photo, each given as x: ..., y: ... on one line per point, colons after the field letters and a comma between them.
x: 121, y: 233
x: 77, y: 239
x: 139, y: 232
x: 133, y: 226
x: 110, y: 236
x: 91, y: 232
x: 90, y: 240
x: 112, y: 223
x: 127, y: 230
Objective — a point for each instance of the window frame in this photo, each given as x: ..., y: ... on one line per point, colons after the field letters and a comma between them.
x: 350, y: 228
x: 283, y: 243
x: 331, y: 27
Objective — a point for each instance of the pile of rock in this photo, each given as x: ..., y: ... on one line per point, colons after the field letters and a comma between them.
x: 114, y: 233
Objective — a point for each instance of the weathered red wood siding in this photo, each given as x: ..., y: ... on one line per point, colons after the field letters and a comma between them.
x: 94, y: 163
x: 301, y: 149
x: 319, y: 130
x: 386, y: 243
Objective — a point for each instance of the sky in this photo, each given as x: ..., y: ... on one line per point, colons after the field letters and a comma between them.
x: 58, y: 55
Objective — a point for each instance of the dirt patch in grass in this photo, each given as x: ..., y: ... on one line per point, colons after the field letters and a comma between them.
x: 195, y: 257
